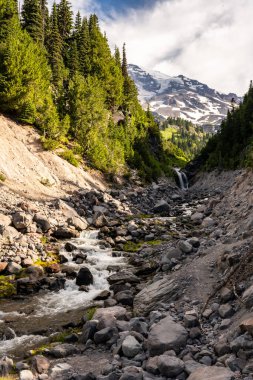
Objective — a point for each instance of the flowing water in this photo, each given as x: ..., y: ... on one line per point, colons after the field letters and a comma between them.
x: 183, y: 180
x: 45, y: 309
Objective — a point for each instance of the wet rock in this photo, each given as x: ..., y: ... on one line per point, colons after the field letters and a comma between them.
x: 42, y: 222
x: 53, y: 268
x: 70, y: 247
x: 26, y: 374
x: 164, y: 290
x: 161, y: 207
x: 40, y: 364
x: 79, y: 224
x: 54, y: 284
x: 170, y: 366
x: 21, y: 220
x: 8, y: 334
x: 27, y: 286
x: 84, y: 277
x: 131, y: 347
x: 212, y: 373
x: 103, y: 295
x: 65, y: 233
x: 166, y: 335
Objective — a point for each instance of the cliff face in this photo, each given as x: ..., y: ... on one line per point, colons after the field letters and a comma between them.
x: 34, y: 172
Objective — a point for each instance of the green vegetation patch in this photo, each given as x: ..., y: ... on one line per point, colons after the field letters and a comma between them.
x: 89, y: 313
x: 135, y: 247
x: 69, y: 156
x: 7, y: 286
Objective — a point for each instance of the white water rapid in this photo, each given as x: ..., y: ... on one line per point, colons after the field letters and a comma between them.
x: 183, y: 180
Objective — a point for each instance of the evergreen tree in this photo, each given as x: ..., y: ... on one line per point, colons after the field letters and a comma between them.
x: 65, y: 24
x: 8, y: 10
x: 117, y: 57
x: 32, y: 19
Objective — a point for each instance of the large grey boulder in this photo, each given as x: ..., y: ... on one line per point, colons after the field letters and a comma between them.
x: 42, y: 222
x: 170, y: 366
x: 161, y: 207
x: 212, y: 373
x: 166, y: 335
x: 164, y: 290
x: 130, y: 346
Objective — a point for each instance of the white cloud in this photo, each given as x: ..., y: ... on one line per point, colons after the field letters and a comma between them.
x: 206, y: 40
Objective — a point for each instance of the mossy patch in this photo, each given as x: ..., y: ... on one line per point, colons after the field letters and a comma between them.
x: 89, y: 313
x: 2, y: 177
x: 135, y: 247
x: 7, y: 286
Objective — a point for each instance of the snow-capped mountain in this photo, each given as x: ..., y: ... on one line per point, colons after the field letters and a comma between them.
x: 181, y: 97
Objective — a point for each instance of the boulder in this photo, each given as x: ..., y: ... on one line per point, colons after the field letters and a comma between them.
x: 42, y: 222
x: 9, y: 232
x: 118, y: 312
x: 104, y: 335
x: 170, y: 366
x: 13, y: 268
x: 185, y: 246
x: 247, y: 297
x: 161, y: 207
x: 166, y: 335
x: 99, y: 220
x: 40, y: 364
x: 123, y: 276
x: 125, y: 297
x: 65, y: 233
x: 26, y: 374
x: 21, y: 220
x: 79, y: 224
x: 165, y: 290
x: 84, y: 277
x: 130, y: 346
x: 212, y: 373
x: 63, y: 350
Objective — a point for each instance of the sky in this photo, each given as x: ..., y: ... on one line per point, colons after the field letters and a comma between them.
x: 211, y: 41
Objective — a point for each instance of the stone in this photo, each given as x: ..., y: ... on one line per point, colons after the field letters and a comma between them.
x: 103, y: 295
x: 104, y: 335
x: 40, y: 364
x: 84, y: 277
x: 26, y: 374
x: 118, y: 312
x: 211, y: 373
x: 89, y: 330
x: 34, y: 272
x: 208, y: 222
x: 65, y: 233
x: 21, y: 220
x: 63, y: 350
x: 226, y: 295
x: 170, y: 366
x: 247, y: 325
x: 42, y: 222
x: 247, y: 297
x: 162, y: 291
x: 79, y: 224
x: 131, y: 347
x: 3, y: 266
x: 195, y: 333
x: 123, y: 276
x: 125, y: 297
x: 13, y: 268
x: 185, y: 246
x: 191, y: 366
x: 5, y: 220
x: 166, y: 335
x: 9, y: 232
x: 9, y: 333
x: 190, y: 320
x: 99, y: 220
x: 161, y: 207
x: 172, y: 253
x: 226, y: 311
x: 197, y: 217
x: 222, y: 348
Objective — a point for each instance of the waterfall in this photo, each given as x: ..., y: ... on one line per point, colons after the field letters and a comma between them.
x: 183, y: 180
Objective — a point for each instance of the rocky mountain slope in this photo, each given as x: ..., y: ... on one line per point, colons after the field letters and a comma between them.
x: 181, y: 97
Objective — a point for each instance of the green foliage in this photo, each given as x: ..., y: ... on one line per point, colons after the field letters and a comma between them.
x: 49, y: 143
x: 232, y: 146
x: 32, y: 19
x: 89, y: 313
x: 69, y: 156
x: 2, y: 177
x: 7, y: 287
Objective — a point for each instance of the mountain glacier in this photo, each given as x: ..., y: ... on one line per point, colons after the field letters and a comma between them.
x: 181, y: 97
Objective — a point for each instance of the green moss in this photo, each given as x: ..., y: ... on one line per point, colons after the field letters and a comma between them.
x: 132, y: 247
x: 49, y: 144
x: 44, y: 240
x: 154, y: 242
x: 2, y: 177
x: 89, y: 313
x: 7, y: 287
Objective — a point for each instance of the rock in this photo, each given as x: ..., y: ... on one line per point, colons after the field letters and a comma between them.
x: 222, y: 348
x: 63, y: 350
x: 208, y: 222
x: 103, y: 295
x: 42, y: 222
x: 172, y: 253
x: 5, y: 220
x: 194, y: 241
x: 26, y: 374
x: 166, y: 335
x: 53, y: 268
x: 190, y: 320
x: 191, y: 366
x: 89, y: 330
x: 34, y: 272
x: 9, y: 333
x: 99, y: 220
x: 152, y: 365
x: 247, y: 325
x: 170, y: 366
x: 132, y: 373
x: 9, y: 232
x: 79, y: 224
x: 226, y: 311
x: 161, y: 207
x: 3, y: 266
x: 185, y: 246
x: 65, y: 233
x: 211, y: 373
x: 40, y: 364
x: 104, y: 335
x: 21, y: 220
x: 197, y: 217
x: 130, y: 346
x: 125, y: 297
x: 226, y: 295
x: 70, y: 247
x: 247, y: 297
x: 164, y: 290
x: 118, y: 312
x: 13, y: 268
x: 27, y: 286
x: 123, y: 276
x: 84, y: 277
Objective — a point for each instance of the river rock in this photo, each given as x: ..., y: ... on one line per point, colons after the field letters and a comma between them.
x: 185, y: 246
x: 104, y: 335
x: 164, y: 290
x: 63, y: 350
x: 42, y: 222
x: 89, y: 330
x: 65, y: 233
x: 247, y: 297
x: 161, y: 207
x: 125, y: 297
x: 123, y: 276
x: 212, y: 373
x: 99, y: 220
x: 170, y: 366
x: 117, y: 312
x: 21, y: 220
x: 34, y: 272
x: 9, y: 334
x: 26, y: 374
x: 130, y: 346
x: 84, y: 277
x: 40, y: 364
x: 166, y: 335
x: 79, y: 224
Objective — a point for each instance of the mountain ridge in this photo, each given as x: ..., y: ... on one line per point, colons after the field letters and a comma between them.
x: 179, y: 96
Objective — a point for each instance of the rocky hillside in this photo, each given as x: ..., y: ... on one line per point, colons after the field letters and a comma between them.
x: 28, y: 169
x: 181, y: 97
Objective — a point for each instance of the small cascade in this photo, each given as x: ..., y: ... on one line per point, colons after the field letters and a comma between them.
x: 183, y: 180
